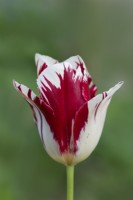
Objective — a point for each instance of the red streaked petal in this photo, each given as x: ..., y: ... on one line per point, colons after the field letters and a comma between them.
x: 37, y: 106
x: 104, y: 98
x: 78, y: 64
x: 51, y: 74
x: 42, y: 113
x: 91, y: 132
x: 42, y: 62
x: 33, y: 101
x: 25, y: 91
x: 76, y: 61
x: 64, y: 95
x: 80, y: 123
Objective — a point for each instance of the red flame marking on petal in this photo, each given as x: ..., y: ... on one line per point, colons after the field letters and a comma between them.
x: 81, y: 65
x: 65, y: 101
x: 80, y: 122
x: 29, y: 93
x: 43, y: 67
x: 104, y: 95
x: 19, y: 88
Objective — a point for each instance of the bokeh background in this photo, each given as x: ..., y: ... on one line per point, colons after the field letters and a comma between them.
x: 101, y: 31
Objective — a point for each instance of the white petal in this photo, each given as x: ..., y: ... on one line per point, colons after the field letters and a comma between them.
x: 40, y: 60
x: 90, y: 136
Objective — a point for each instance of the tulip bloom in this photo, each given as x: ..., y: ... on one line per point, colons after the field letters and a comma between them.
x: 68, y: 115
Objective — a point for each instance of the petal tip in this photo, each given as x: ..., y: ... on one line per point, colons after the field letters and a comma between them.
x: 15, y: 84
x: 118, y: 85
x: 115, y: 88
x: 121, y: 83
x: 37, y: 55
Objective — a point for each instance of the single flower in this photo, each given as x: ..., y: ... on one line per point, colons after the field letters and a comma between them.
x: 68, y: 115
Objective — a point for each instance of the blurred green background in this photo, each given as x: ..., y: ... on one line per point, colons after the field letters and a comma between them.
x: 102, y: 33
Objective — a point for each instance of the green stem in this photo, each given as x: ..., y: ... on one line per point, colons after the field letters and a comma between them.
x: 70, y: 182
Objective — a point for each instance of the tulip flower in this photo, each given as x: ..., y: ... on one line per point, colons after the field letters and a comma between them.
x: 68, y: 113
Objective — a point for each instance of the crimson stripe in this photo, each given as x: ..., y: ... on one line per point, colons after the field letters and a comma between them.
x: 43, y: 67
x: 80, y: 122
x: 104, y: 95
x: 29, y: 93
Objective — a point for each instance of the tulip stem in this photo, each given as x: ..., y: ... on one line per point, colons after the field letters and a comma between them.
x: 70, y: 182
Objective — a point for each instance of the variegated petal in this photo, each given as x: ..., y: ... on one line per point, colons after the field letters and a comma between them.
x: 41, y: 114
x: 42, y: 62
x: 91, y: 132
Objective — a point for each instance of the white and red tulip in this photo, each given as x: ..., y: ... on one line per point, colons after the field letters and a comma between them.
x: 68, y: 115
